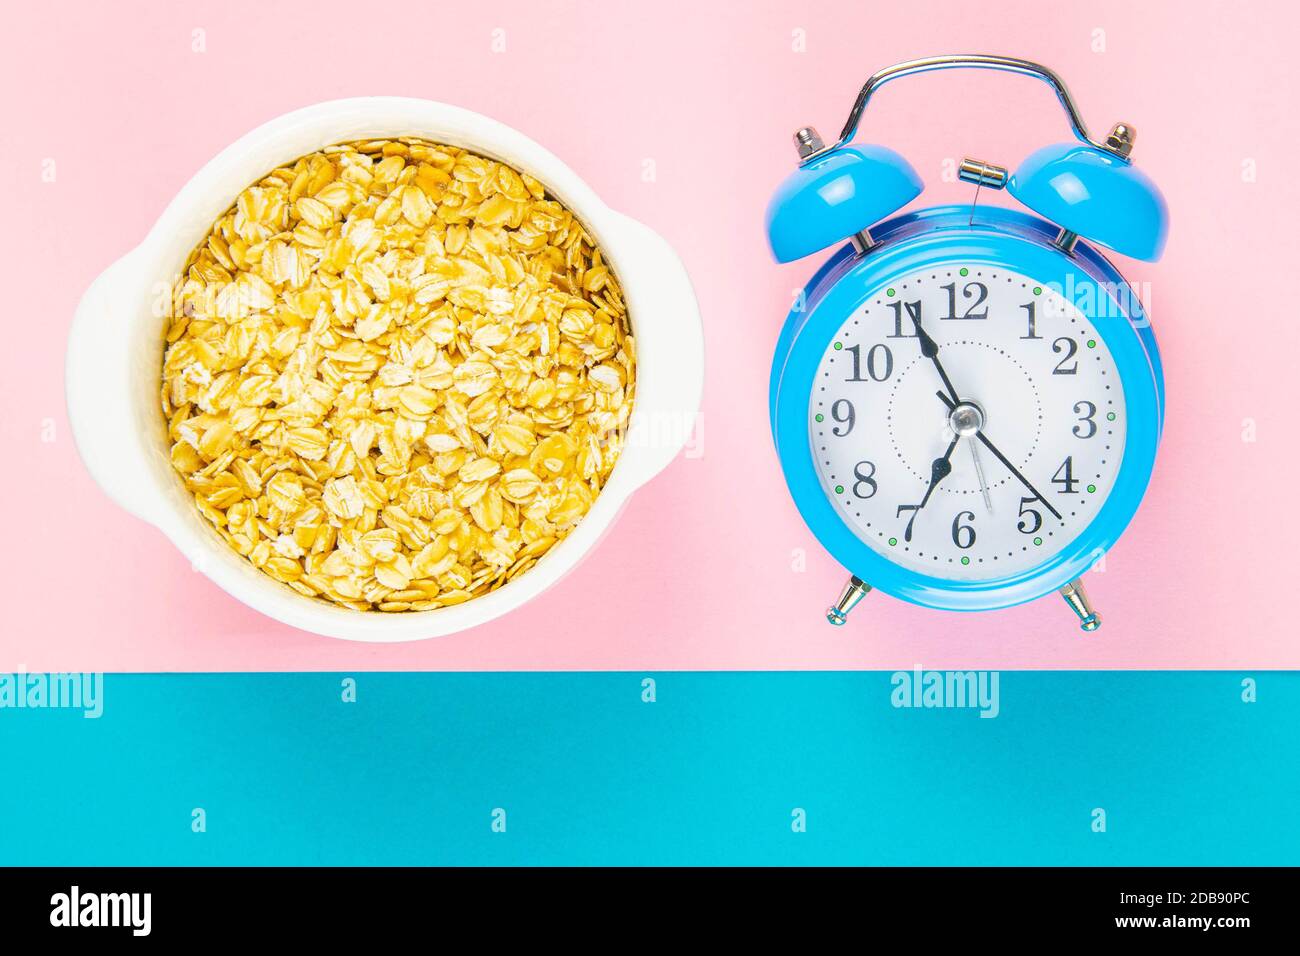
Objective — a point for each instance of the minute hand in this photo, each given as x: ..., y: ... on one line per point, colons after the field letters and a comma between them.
x: 1003, y: 458
x: 930, y: 348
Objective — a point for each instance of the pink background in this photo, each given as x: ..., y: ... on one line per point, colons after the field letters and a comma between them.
x: 702, y: 571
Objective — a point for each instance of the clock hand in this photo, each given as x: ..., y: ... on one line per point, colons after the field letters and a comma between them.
x: 1003, y: 458
x: 979, y: 473
x: 940, y: 469
x: 930, y: 348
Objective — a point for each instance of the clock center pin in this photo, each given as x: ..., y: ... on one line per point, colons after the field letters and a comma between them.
x: 966, y: 419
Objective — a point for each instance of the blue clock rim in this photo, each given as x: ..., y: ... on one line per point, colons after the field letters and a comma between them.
x: 1139, y: 374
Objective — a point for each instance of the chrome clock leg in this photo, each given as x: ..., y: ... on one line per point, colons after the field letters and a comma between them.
x: 853, y: 592
x: 1077, y: 598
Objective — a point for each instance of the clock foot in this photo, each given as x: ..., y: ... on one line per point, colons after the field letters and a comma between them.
x: 853, y: 592
x: 1077, y: 598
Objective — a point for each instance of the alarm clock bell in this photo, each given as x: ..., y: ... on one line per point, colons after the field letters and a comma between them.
x: 837, y: 196
x: 1089, y: 189
x: 1097, y: 194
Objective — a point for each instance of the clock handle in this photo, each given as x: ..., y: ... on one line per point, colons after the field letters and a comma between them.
x: 1118, y: 143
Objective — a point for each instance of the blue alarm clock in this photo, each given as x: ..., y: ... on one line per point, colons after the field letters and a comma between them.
x: 967, y: 401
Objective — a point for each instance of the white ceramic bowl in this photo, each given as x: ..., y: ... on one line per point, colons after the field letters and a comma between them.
x: 115, y: 349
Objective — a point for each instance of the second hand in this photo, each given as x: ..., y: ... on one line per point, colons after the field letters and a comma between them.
x: 984, y: 439
x: 979, y: 473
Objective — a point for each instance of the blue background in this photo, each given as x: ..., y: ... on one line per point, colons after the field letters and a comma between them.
x: 708, y: 774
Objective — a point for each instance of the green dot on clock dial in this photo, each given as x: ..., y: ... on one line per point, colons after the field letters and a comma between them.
x: 893, y: 541
x: 820, y: 417
x: 965, y: 271
x: 1092, y: 489
x: 839, y: 489
x: 1038, y: 541
x: 838, y: 346
x: 965, y: 560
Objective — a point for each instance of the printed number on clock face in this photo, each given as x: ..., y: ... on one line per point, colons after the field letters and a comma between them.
x: 1018, y: 469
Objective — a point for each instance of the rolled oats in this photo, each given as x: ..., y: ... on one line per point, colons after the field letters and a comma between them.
x: 397, y: 373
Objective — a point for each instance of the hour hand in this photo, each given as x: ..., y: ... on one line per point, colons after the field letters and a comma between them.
x: 940, y: 469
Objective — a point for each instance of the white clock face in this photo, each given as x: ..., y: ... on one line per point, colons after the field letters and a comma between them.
x: 967, y: 422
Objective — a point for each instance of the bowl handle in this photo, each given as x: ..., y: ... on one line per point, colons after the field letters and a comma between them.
x: 98, y: 382
x: 669, y: 342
